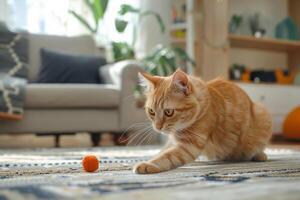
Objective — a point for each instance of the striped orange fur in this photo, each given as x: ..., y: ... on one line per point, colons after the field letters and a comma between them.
x: 216, y: 119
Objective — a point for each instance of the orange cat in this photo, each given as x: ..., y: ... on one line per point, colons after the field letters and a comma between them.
x: 216, y: 119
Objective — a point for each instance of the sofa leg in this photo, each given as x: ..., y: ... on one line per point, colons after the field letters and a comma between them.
x: 57, y: 137
x: 95, y: 138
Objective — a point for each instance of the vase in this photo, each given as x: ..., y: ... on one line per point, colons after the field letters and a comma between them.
x: 287, y: 29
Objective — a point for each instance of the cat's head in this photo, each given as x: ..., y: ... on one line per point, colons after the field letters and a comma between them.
x: 171, y: 102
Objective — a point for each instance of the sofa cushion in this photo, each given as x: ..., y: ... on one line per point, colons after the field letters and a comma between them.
x: 59, y: 67
x: 71, y: 96
x: 83, y: 45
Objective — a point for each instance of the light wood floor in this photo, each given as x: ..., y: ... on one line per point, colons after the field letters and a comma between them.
x: 286, y: 145
x: 31, y: 140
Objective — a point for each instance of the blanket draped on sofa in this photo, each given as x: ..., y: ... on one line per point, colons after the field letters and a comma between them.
x: 13, y: 73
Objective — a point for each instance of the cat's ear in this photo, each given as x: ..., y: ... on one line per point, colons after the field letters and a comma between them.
x: 181, y: 81
x: 146, y: 80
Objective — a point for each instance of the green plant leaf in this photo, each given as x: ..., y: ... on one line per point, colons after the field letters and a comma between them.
x: 150, y: 66
x: 83, y: 21
x: 163, y: 65
x: 125, y: 8
x: 122, y: 51
x: 97, y: 8
x: 153, y: 71
x: 166, y: 57
x: 163, y: 60
x: 157, y: 17
x: 159, y: 60
x: 93, y: 10
x: 170, y: 63
x: 156, y: 50
x: 183, y: 55
x: 120, y: 25
x: 103, y: 5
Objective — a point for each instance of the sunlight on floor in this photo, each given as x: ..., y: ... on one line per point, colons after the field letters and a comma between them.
x: 31, y: 140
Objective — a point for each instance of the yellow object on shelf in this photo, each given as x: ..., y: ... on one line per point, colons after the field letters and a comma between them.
x: 291, y: 125
x: 178, y: 34
x: 284, y: 79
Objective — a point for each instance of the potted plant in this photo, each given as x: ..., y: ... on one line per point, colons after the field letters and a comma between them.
x: 163, y: 61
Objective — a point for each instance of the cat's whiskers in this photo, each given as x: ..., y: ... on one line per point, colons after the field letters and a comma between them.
x: 138, y: 138
x: 135, y: 138
x: 146, y: 138
x: 149, y: 138
x: 135, y: 125
x: 143, y: 125
x: 137, y: 133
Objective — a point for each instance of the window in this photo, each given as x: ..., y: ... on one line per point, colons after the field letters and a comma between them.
x: 52, y: 17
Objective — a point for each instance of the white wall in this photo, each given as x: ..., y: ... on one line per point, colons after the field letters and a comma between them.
x: 149, y: 33
x: 271, y: 12
x: 255, y: 59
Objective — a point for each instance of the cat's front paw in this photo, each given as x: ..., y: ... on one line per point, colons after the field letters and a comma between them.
x: 145, y: 168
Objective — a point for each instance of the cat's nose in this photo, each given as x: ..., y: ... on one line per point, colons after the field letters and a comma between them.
x: 158, y: 126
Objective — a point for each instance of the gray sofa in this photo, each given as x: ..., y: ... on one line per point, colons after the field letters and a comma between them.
x: 70, y: 108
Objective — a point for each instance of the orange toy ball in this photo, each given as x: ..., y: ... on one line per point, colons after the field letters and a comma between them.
x: 291, y: 125
x: 90, y: 163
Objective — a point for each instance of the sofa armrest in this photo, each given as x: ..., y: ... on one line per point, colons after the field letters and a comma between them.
x: 124, y: 74
x: 119, y: 72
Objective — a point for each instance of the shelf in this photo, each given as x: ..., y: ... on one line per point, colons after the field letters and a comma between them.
x: 178, y: 26
x: 266, y: 84
x: 243, y: 41
x: 178, y: 40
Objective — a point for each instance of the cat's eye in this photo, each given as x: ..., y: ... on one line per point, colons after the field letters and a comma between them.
x: 169, y: 112
x: 151, y: 111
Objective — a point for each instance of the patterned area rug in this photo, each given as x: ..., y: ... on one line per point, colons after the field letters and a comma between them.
x: 57, y: 174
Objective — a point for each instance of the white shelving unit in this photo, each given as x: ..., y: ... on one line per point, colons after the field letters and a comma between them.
x: 178, y: 41
x: 178, y: 26
x: 187, y: 42
x: 190, y: 33
x: 279, y: 100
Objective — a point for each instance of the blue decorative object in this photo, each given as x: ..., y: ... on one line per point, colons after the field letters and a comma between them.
x: 287, y: 29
